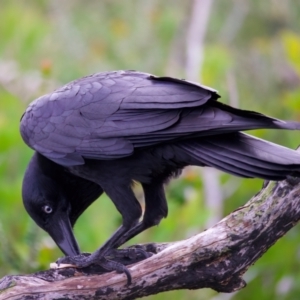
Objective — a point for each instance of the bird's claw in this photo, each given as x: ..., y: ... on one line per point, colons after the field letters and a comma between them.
x: 86, y: 259
x: 108, y: 262
x: 111, y: 265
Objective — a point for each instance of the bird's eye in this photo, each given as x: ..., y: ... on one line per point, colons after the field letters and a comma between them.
x: 47, y: 209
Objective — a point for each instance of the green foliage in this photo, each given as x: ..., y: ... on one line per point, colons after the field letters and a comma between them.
x: 44, y: 44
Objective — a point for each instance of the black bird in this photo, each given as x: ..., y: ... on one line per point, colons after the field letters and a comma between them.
x: 102, y: 132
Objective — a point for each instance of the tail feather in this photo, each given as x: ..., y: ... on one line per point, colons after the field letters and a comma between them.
x: 247, y: 120
x: 291, y: 125
x: 243, y: 155
x: 231, y: 166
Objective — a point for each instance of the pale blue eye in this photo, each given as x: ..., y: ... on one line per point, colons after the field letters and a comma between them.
x: 47, y: 209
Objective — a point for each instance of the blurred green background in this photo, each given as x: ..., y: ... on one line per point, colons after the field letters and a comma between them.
x: 251, y: 54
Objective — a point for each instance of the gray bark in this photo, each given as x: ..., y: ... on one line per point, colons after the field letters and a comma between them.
x: 216, y: 258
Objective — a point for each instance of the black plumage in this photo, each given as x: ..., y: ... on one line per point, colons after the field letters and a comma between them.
x: 102, y: 132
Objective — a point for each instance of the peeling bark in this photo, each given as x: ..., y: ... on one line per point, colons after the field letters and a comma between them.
x: 216, y: 258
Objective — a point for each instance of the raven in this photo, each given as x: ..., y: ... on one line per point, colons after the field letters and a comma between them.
x: 102, y: 132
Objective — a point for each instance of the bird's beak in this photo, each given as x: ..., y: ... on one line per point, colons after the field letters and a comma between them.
x: 63, y: 236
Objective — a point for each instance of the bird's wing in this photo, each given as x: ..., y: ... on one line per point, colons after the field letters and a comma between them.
x: 107, y: 115
x: 95, y: 116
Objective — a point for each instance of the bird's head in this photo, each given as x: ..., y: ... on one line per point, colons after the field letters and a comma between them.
x: 48, y: 205
x: 55, y: 199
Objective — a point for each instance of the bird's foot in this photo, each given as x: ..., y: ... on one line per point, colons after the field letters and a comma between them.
x: 114, y: 260
x: 86, y: 259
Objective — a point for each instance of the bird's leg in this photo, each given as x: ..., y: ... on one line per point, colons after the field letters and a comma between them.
x: 130, y: 209
x: 156, y: 209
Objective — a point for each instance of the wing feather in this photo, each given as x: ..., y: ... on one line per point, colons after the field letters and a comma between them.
x: 107, y: 115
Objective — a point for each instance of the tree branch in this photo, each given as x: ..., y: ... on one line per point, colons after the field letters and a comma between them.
x: 216, y: 258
